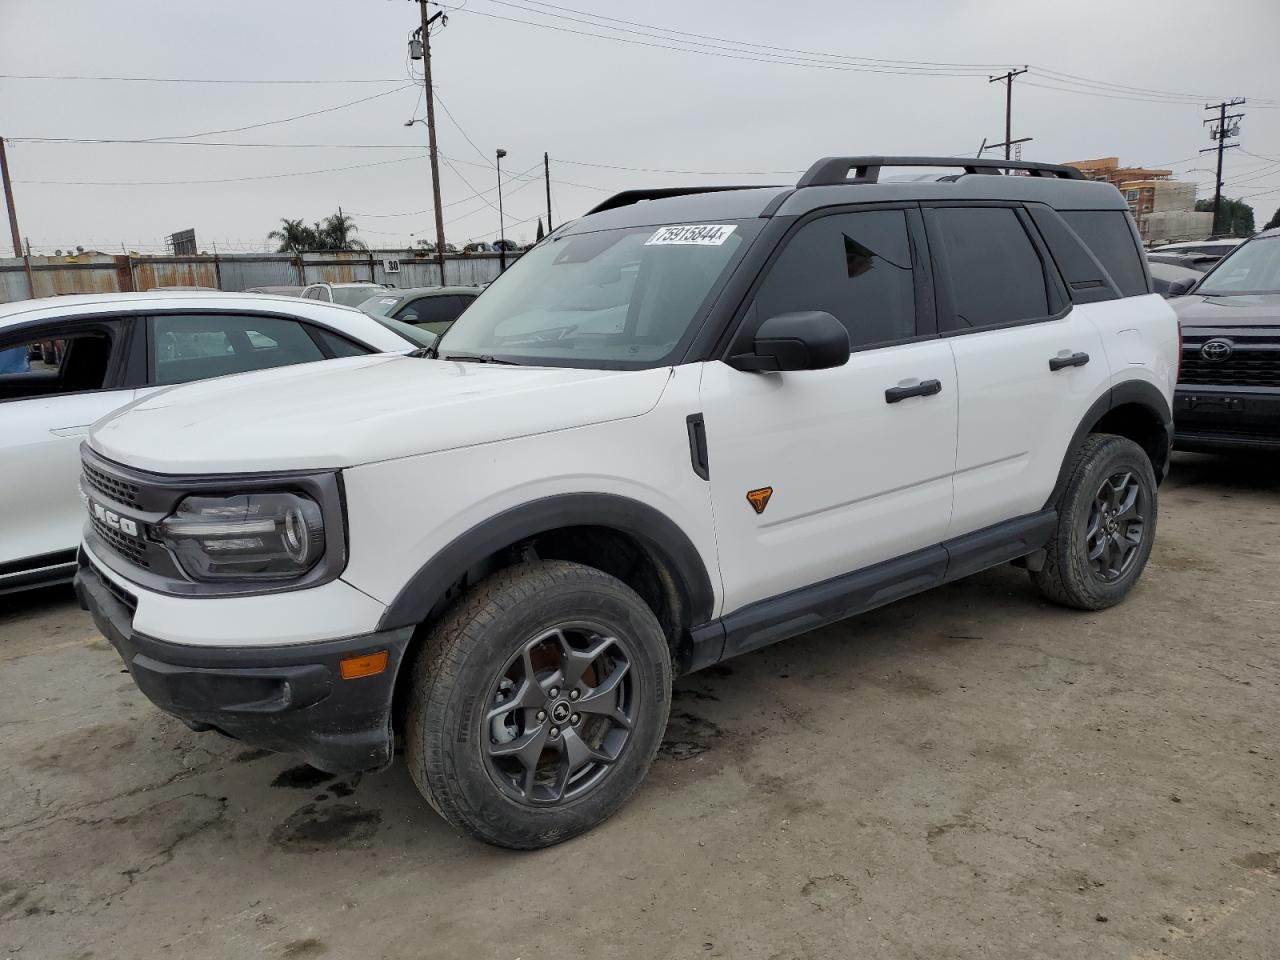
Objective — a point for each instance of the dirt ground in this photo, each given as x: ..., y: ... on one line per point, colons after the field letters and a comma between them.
x: 970, y: 773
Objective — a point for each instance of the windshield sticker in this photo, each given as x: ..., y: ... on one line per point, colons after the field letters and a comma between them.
x: 702, y: 235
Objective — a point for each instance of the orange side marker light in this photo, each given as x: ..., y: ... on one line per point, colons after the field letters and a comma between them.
x: 366, y: 665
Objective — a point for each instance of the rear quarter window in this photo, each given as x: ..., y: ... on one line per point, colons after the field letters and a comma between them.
x: 1108, y: 235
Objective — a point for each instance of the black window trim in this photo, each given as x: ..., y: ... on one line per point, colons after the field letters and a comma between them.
x: 1059, y: 302
x: 121, y: 338
x: 745, y: 315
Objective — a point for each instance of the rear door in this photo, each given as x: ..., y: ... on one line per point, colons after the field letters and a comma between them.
x: 819, y: 473
x: 198, y: 345
x: 1028, y: 366
x: 45, y: 411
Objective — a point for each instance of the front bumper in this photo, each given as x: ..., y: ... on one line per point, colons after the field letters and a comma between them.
x: 289, y: 698
x: 1226, y: 418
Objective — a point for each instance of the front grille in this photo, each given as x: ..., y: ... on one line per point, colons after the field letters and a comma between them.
x: 120, y: 491
x: 132, y: 550
x: 1251, y: 364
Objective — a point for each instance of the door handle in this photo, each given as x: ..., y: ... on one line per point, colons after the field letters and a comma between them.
x: 1075, y: 360
x: 925, y: 388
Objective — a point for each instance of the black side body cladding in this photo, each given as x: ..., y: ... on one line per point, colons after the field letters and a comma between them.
x: 648, y: 526
x: 807, y: 608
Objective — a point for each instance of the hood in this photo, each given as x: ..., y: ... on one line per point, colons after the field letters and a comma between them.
x: 339, y: 413
x: 1248, y: 310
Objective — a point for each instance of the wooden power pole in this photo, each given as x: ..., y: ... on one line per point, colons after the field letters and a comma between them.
x: 546, y: 173
x: 1007, y: 78
x: 8, y: 200
x: 1225, y: 126
x: 431, y: 132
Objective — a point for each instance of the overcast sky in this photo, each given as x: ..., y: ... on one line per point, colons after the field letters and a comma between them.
x: 591, y: 103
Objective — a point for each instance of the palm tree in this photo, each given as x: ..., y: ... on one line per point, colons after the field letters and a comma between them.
x: 294, y: 236
x: 337, y: 232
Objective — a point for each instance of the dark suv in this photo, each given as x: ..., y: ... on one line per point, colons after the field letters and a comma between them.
x: 1228, y: 395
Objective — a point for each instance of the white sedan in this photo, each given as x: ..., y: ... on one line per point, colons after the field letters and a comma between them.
x: 68, y: 361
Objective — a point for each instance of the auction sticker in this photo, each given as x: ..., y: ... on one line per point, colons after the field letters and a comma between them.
x: 695, y: 234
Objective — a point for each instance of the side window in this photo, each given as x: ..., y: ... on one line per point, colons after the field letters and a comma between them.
x: 339, y: 346
x: 69, y: 363
x: 855, y: 266
x: 324, y: 294
x: 430, y: 310
x: 996, y: 275
x: 186, y: 347
x: 1106, y: 233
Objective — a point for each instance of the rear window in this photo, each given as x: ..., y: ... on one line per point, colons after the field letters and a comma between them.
x: 1108, y: 236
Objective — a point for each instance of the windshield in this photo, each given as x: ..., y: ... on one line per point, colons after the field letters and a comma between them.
x: 1253, y: 267
x: 415, y: 335
x: 626, y: 298
x: 353, y: 296
x: 379, y: 306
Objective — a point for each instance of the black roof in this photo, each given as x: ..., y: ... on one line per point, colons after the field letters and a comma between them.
x: 827, y: 183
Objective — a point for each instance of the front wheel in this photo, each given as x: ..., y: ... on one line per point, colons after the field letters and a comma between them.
x: 538, y: 704
x: 1106, y: 525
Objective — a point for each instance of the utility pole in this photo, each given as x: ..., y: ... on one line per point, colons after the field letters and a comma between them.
x: 1007, y: 79
x: 546, y: 173
x: 8, y: 199
x: 502, y: 224
x: 1221, y: 132
x: 424, y: 32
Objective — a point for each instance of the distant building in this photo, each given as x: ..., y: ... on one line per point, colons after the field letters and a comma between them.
x: 1164, y: 209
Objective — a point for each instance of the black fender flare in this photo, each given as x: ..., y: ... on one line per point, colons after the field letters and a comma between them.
x: 1138, y: 392
x: 653, y: 529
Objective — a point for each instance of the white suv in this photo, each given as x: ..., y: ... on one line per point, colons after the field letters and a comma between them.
x: 689, y: 424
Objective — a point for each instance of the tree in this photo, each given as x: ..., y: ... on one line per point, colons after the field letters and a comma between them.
x: 1234, y: 219
x: 1274, y: 221
x: 541, y: 233
x: 337, y: 232
x: 294, y: 236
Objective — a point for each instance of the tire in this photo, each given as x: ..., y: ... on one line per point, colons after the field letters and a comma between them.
x: 490, y: 746
x: 1101, y: 545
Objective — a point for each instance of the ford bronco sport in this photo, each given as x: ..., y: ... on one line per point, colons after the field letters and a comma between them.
x: 689, y: 424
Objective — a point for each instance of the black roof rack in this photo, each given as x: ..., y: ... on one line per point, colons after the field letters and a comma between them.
x: 835, y: 170
x: 628, y: 197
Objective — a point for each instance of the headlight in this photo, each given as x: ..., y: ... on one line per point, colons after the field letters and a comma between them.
x: 258, y: 536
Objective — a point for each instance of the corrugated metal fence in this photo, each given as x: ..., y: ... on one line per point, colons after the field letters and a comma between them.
x: 103, y: 273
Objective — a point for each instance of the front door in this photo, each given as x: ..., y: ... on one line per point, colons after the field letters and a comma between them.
x: 819, y: 473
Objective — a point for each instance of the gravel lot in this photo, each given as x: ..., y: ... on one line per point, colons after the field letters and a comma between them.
x: 970, y: 773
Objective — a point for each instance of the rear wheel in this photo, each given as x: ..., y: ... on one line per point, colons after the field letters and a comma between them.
x: 538, y: 704
x: 1106, y: 526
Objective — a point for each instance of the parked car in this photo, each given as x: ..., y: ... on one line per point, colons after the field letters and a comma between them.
x: 1163, y: 275
x: 429, y: 308
x: 1199, y: 262
x: 675, y: 431
x: 346, y: 294
x: 510, y: 246
x: 1229, y: 387
x: 479, y: 246
x: 1211, y: 250
x: 116, y: 348
x: 280, y: 291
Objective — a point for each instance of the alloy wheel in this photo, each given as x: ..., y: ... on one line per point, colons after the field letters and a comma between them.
x: 1115, y: 529
x: 560, y: 714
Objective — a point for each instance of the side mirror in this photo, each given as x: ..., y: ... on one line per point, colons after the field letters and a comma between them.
x: 812, y: 340
x: 1179, y: 288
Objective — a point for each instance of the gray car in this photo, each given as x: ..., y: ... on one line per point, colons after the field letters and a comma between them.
x: 428, y: 308
x: 1228, y: 395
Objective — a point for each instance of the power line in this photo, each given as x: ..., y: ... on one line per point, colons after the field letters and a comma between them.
x: 165, y: 183
x: 203, y: 80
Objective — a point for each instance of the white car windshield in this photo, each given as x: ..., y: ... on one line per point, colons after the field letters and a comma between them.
x: 354, y: 296
x: 625, y: 298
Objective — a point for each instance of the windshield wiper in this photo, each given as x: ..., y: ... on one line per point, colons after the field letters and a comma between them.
x: 480, y: 358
